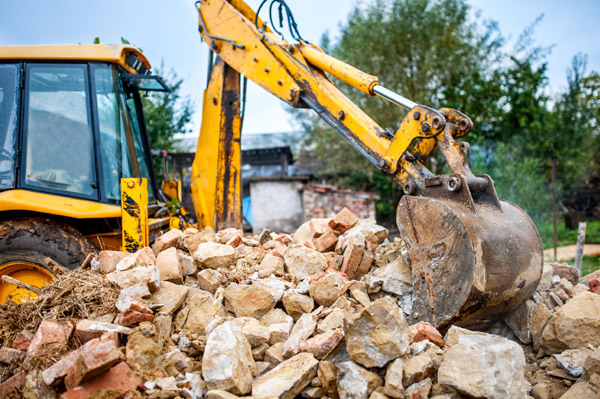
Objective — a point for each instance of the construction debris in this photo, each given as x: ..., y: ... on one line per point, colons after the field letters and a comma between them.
x: 320, y: 313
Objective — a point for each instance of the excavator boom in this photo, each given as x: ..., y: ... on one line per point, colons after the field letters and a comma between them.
x: 473, y: 256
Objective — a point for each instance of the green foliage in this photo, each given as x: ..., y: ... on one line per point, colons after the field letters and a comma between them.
x: 173, y: 206
x: 589, y: 264
x: 569, y: 237
x: 167, y: 114
x: 433, y: 52
x: 566, y: 236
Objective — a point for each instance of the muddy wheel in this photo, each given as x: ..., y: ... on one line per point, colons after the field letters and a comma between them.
x: 24, y: 246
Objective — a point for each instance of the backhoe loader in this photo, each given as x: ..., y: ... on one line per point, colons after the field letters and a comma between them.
x: 71, y: 126
x: 473, y: 256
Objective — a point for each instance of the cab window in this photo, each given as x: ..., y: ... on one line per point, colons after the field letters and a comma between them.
x: 58, y: 142
x: 114, y: 153
x: 9, y: 98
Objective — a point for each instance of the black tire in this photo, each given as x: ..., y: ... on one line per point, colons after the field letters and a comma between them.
x: 25, y: 256
x: 38, y: 238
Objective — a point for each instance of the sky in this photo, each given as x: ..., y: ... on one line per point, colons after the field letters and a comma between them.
x: 167, y: 32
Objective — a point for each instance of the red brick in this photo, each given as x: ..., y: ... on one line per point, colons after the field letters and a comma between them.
x: 427, y: 331
x: 23, y: 340
x: 321, y: 344
x: 343, y: 221
x: 593, y: 285
x: 49, y: 332
x: 91, y: 362
x: 54, y: 374
x: 353, y: 256
x: 130, y: 318
x: 326, y: 241
x: 12, y: 384
x: 118, y: 381
x: 236, y: 241
x: 285, y: 239
x: 318, y: 227
x: 223, y: 236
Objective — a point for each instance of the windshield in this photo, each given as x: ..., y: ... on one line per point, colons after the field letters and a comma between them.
x: 58, y: 138
x: 9, y: 98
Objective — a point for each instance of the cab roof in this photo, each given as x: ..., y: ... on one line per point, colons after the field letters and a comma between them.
x: 115, y: 53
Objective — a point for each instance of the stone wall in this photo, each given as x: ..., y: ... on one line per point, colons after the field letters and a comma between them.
x: 322, y: 201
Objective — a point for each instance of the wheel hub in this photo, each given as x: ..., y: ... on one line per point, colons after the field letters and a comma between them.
x: 26, y: 272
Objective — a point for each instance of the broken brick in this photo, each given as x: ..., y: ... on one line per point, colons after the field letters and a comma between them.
x: 235, y: 241
x: 118, y: 380
x: 343, y: 221
x: 326, y: 241
x: 54, y: 374
x: 319, y: 226
x: 321, y: 344
x: 97, y: 358
x: 167, y: 240
x: 424, y: 331
x: 48, y: 333
x: 130, y: 318
x: 10, y: 355
x: 22, y: 340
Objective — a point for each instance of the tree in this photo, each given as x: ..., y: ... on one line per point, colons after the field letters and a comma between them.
x: 167, y: 113
x: 428, y: 51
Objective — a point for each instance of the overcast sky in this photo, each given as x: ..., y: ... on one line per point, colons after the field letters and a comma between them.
x: 167, y: 32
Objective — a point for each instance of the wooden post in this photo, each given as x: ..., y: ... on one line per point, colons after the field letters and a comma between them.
x: 580, y: 242
x: 554, y: 234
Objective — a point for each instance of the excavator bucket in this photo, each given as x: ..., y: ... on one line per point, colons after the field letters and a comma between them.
x: 474, y: 258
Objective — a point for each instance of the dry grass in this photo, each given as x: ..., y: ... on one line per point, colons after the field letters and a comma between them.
x: 73, y: 296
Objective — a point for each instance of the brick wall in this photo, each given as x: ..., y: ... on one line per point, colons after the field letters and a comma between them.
x: 321, y: 201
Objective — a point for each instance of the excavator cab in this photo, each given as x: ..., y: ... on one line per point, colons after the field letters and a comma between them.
x: 71, y: 127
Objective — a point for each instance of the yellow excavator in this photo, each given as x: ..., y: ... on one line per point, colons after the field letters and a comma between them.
x: 73, y: 126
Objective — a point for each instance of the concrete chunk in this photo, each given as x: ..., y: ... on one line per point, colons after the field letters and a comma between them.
x: 287, y: 380
x: 227, y: 363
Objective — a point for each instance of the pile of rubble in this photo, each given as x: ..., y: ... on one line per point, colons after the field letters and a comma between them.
x: 320, y: 313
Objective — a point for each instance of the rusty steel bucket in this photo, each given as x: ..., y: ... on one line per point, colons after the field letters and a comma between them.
x: 473, y: 257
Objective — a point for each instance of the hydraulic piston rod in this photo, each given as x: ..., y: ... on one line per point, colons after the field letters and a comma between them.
x: 394, y: 97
